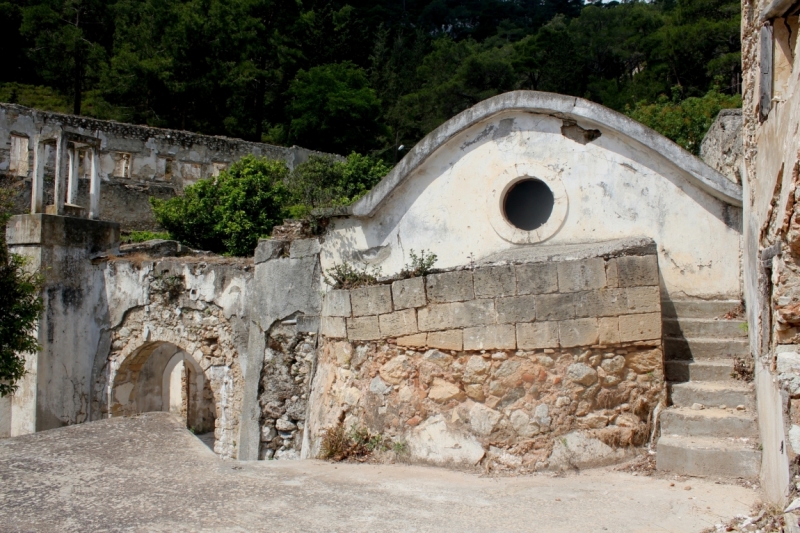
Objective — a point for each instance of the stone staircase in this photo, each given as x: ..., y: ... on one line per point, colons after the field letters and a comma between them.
x: 721, y: 438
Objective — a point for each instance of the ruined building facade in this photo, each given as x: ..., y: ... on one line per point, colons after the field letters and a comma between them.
x: 584, y: 299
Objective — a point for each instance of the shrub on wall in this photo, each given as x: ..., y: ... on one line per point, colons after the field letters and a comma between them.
x: 229, y: 213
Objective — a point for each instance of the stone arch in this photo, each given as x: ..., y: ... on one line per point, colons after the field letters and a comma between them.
x: 141, y: 384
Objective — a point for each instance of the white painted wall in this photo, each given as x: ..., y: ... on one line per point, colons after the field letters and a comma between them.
x: 614, y: 189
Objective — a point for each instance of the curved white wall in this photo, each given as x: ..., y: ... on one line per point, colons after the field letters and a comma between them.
x: 615, y: 189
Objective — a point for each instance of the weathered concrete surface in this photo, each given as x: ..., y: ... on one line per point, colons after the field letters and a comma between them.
x: 149, y: 474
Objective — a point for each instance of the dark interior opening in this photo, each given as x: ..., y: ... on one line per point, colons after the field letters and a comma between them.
x: 528, y: 204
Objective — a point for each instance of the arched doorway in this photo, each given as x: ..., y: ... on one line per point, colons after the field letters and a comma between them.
x: 161, y: 376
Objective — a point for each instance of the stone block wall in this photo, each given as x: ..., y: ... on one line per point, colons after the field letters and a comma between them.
x: 543, y: 365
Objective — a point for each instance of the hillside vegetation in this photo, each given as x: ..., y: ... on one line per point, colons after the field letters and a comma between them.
x: 365, y: 76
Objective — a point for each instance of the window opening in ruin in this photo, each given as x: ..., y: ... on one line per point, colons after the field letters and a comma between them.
x: 528, y: 204
x: 18, y: 166
x: 122, y: 165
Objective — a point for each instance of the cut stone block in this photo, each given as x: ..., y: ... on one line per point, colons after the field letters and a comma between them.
x: 579, y: 332
x: 643, y: 299
x: 537, y: 278
x: 582, y: 275
x: 493, y: 337
x: 609, y: 330
x: 601, y: 302
x: 304, y: 248
x: 418, y: 340
x: 446, y: 340
x: 333, y: 327
x: 612, y: 276
x: 268, y: 249
x: 407, y: 293
x: 537, y: 336
x: 450, y: 286
x: 555, y: 306
x: 375, y: 300
x: 456, y: 315
x: 516, y: 309
x: 364, y: 328
x: 642, y: 327
x: 492, y: 282
x: 336, y: 303
x: 307, y: 324
x: 398, y: 323
x: 636, y: 270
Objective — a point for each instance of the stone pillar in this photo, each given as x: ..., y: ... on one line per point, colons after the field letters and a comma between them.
x: 37, y: 179
x: 61, y: 173
x: 94, y: 184
x: 72, y: 174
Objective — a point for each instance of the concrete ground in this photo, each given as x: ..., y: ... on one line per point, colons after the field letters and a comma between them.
x: 149, y: 474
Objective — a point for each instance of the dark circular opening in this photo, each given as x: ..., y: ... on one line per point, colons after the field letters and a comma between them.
x: 528, y: 204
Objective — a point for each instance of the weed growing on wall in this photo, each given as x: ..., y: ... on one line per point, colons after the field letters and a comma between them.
x: 358, y: 443
x: 144, y: 236
x: 421, y: 265
x: 346, y: 276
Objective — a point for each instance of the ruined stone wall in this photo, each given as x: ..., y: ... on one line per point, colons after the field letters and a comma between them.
x: 136, y: 162
x: 721, y: 148
x: 771, y: 115
x: 539, y: 365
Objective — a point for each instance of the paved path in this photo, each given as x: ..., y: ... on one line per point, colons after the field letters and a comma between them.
x: 149, y: 474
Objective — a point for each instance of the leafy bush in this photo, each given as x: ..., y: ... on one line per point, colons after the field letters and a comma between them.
x: 325, y: 182
x: 143, y: 236
x: 684, y: 121
x: 358, y: 443
x: 229, y: 213
x: 20, y: 308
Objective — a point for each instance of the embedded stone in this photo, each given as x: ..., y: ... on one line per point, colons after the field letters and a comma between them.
x: 516, y: 309
x: 408, y: 293
x: 581, y: 374
x: 613, y: 366
x: 336, y: 303
x: 482, y: 419
x: 418, y: 340
x: 475, y: 392
x: 284, y: 425
x: 492, y: 337
x: 554, y: 307
x: 374, y: 300
x: 437, y: 358
x: 456, y: 315
x: 601, y: 302
x: 333, y: 327
x: 433, y: 441
x: 637, y: 270
x: 609, y: 330
x: 537, y: 335
x: 521, y: 423
x: 365, y: 328
x: 395, y: 370
x: 541, y: 415
x: 491, y: 282
x: 446, y: 340
x: 398, y: 323
x: 645, y: 361
x: 581, y: 275
x: 640, y: 327
x: 377, y: 386
x: 476, y: 369
x: 304, y: 248
x: 453, y: 286
x: 537, y: 278
x: 443, y: 391
x: 579, y: 332
x: 643, y: 299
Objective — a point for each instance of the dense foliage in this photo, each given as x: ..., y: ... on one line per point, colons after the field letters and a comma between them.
x: 229, y: 213
x: 20, y: 308
x: 357, y: 75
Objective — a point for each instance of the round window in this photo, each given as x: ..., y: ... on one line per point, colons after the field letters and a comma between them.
x: 528, y: 204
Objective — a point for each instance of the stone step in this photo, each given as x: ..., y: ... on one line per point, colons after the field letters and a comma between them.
x: 708, y: 456
x: 689, y: 328
x: 703, y: 370
x: 712, y: 393
x: 698, y: 308
x: 711, y: 422
x: 683, y: 349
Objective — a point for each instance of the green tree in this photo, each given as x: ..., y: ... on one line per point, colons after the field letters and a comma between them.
x: 20, y: 308
x: 69, y: 38
x: 684, y: 121
x: 229, y: 213
x: 332, y: 108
